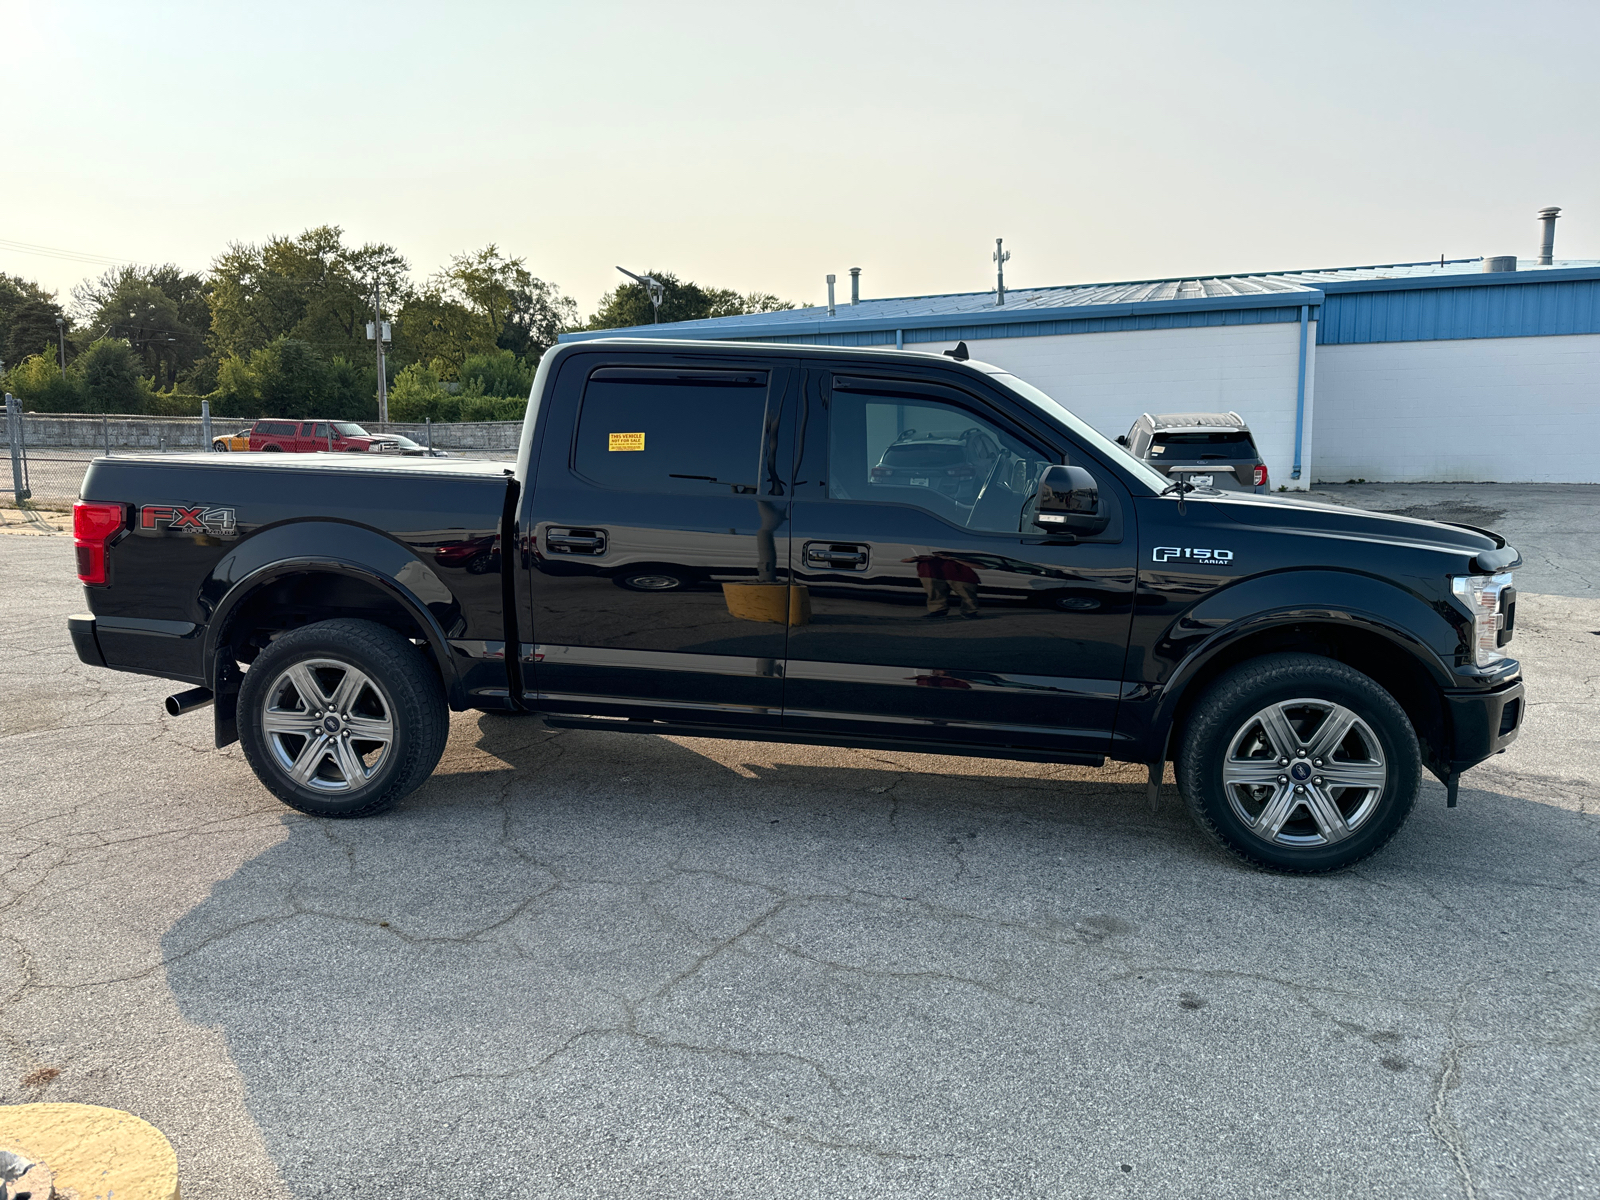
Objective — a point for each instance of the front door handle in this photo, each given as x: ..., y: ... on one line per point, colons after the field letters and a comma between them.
x: 840, y: 556
x: 575, y: 541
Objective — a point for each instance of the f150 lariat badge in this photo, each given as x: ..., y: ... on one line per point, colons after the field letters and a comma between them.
x: 178, y: 518
x: 1207, y: 558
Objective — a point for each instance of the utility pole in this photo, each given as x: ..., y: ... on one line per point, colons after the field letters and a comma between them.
x: 61, y: 332
x: 1001, y: 258
x: 378, y: 331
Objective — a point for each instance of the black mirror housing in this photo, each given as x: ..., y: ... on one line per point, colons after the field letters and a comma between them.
x: 1068, y: 501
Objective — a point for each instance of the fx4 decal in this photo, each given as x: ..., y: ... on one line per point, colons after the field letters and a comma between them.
x: 1209, y: 558
x: 178, y: 518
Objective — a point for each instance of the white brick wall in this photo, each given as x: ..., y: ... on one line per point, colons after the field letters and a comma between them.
x: 1108, y: 379
x: 1514, y: 410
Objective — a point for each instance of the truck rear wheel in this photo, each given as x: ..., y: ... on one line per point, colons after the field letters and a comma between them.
x: 1299, y: 763
x: 342, y: 718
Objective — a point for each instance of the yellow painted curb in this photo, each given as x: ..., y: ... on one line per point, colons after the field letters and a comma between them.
x: 780, y: 603
x: 100, y: 1153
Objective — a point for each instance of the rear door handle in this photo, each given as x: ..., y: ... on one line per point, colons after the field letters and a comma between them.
x: 838, y: 555
x: 575, y: 541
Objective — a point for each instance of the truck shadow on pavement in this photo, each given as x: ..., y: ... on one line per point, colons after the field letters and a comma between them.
x: 582, y: 964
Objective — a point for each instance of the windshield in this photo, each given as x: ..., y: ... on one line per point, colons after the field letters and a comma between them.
x: 404, y: 442
x: 1079, y: 428
x: 349, y: 429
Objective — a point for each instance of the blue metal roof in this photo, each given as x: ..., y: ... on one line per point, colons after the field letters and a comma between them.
x: 1145, y: 303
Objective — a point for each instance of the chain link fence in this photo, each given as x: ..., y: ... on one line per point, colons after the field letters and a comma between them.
x: 43, y: 456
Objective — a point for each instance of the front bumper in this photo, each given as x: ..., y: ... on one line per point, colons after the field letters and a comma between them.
x: 1483, y: 723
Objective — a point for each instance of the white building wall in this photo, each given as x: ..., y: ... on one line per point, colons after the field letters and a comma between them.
x: 1108, y: 379
x: 1512, y: 410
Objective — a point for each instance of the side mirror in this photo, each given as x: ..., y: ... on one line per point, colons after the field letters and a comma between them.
x: 1068, y: 501
x: 1122, y: 439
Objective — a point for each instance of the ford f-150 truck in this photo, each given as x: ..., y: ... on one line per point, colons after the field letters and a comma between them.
x: 703, y: 539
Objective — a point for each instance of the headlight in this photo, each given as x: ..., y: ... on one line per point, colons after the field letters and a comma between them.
x: 1482, y: 595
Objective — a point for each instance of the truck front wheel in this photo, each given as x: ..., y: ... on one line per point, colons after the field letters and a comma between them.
x: 1299, y: 763
x: 342, y: 718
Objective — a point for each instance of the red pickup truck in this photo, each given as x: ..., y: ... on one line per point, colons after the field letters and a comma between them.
x: 308, y: 437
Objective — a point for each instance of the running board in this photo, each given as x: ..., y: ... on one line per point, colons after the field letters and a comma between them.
x: 745, y: 733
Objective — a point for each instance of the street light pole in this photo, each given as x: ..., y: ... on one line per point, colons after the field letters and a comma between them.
x: 61, y: 332
x: 652, y: 287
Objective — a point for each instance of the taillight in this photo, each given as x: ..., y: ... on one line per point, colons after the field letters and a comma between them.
x: 93, y: 525
x: 965, y: 471
x: 882, y: 472
x: 1261, y: 475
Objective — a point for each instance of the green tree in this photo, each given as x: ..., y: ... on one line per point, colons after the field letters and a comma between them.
x: 161, y: 311
x: 289, y: 378
x: 629, y: 304
x: 481, y: 302
x: 498, y: 374
x: 109, y: 369
x: 37, y: 381
x: 28, y: 316
x: 311, y: 288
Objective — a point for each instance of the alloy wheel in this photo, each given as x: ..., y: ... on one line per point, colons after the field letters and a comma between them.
x: 1304, y: 773
x: 328, y: 726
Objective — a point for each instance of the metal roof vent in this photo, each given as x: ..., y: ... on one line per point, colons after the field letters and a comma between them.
x: 1547, y: 244
x: 830, y: 296
x: 855, y: 285
x: 1501, y: 262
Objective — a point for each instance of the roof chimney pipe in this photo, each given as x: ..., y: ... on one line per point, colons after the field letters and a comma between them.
x: 830, y: 296
x: 855, y: 285
x: 1547, y: 244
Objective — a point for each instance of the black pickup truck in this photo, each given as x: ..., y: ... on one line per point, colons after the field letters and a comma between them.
x: 811, y: 544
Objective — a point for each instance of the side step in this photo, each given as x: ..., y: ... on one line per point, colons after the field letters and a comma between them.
x: 742, y: 733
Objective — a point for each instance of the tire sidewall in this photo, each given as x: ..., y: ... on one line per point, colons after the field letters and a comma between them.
x: 300, y: 646
x: 1229, y: 707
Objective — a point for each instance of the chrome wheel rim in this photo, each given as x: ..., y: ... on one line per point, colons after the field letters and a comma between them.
x: 328, y: 726
x: 653, y: 583
x: 1304, y: 773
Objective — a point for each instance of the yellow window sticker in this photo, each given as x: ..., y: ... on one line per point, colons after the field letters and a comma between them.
x: 627, y: 441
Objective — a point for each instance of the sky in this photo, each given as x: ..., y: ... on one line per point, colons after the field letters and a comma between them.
x: 762, y: 146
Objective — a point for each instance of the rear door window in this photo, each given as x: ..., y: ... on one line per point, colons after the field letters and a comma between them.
x: 684, y: 431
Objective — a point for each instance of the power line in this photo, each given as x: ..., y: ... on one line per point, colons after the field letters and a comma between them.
x: 57, y: 252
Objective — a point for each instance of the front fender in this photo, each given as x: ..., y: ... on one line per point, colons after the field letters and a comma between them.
x: 341, y: 549
x: 1401, y: 617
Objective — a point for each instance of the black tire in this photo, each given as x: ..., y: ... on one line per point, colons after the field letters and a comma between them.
x: 653, y: 579
x: 219, y: 447
x: 272, y: 449
x: 1323, y: 825
x: 406, y: 705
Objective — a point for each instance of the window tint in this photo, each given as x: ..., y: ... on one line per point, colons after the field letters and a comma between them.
x: 276, y: 428
x: 1194, y: 444
x: 940, y: 457
x: 686, y: 431
x: 321, y: 431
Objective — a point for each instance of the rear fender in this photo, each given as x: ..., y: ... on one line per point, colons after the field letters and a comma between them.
x: 340, y: 549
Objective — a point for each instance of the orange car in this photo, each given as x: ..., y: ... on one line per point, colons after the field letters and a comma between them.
x: 225, y: 442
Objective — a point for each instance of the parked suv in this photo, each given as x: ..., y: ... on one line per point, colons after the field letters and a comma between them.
x: 1220, y: 441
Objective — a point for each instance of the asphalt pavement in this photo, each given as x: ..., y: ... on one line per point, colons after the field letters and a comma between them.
x: 605, y: 965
